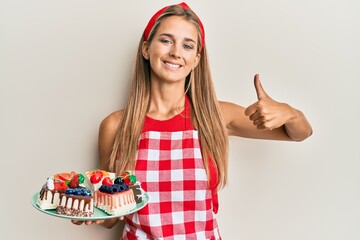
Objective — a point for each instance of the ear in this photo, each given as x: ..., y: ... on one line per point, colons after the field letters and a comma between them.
x: 197, y: 60
x: 145, y: 49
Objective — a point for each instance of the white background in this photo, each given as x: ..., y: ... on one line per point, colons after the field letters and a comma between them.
x: 65, y: 65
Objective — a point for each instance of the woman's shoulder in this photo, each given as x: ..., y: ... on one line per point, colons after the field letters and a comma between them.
x: 112, y: 121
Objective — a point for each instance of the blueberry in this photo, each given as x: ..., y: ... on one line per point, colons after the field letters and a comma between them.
x: 87, y: 194
x: 104, y: 188
x: 114, y: 189
x: 69, y: 191
x: 107, y: 189
x: 77, y: 191
x: 118, y: 180
x: 122, y: 187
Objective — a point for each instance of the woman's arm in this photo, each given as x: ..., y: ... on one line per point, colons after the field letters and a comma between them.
x: 106, y: 138
x: 107, y: 131
x: 265, y: 119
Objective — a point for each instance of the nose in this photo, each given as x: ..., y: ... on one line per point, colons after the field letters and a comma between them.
x: 175, y: 51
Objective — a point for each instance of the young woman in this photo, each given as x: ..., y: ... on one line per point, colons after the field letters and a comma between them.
x: 173, y: 132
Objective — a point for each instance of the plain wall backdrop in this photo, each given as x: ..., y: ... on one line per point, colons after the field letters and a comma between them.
x: 65, y: 65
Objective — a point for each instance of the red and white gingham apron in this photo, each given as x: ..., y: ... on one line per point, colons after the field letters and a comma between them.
x: 171, y: 170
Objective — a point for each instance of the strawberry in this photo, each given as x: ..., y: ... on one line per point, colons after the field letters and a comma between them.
x: 60, y: 186
x: 96, y: 177
x: 74, y: 183
x: 107, y: 181
x: 65, y: 176
x: 125, y: 178
x: 128, y: 178
x: 62, y: 178
x: 57, y: 186
x: 63, y: 186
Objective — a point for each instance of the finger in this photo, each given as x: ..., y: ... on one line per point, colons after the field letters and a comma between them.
x: 99, y: 221
x: 250, y: 110
x: 261, y: 127
x: 266, y: 124
x: 256, y: 115
x: 77, y: 222
x: 264, y: 127
x: 259, y: 121
x: 88, y: 222
x: 260, y: 92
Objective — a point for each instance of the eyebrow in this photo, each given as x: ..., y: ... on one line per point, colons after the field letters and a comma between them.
x: 172, y: 36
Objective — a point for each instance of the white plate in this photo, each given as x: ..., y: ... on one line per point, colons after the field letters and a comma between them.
x: 98, y: 213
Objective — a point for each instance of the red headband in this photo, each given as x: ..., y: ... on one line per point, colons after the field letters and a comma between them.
x: 153, y: 19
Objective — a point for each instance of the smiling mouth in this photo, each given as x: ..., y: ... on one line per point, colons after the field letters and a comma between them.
x: 172, y: 66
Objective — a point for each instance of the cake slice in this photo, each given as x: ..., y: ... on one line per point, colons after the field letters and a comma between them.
x: 114, y: 196
x: 49, y: 196
x: 77, y: 200
x: 115, y: 202
x: 95, y: 177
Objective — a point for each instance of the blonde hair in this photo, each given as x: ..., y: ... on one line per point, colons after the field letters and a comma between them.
x: 206, y: 115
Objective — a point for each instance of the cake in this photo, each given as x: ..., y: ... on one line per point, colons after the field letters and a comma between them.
x: 137, y: 192
x: 49, y: 196
x: 77, y: 200
x: 94, y: 178
x: 76, y: 195
x: 114, y: 196
x: 130, y: 179
x: 65, y: 193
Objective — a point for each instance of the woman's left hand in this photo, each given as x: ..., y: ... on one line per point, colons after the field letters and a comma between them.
x: 267, y: 114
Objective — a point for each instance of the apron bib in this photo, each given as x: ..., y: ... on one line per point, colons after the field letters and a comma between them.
x: 171, y: 170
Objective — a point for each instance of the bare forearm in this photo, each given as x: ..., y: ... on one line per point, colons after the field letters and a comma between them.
x: 298, y: 128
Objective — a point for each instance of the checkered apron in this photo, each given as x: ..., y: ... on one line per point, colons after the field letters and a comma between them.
x: 171, y: 170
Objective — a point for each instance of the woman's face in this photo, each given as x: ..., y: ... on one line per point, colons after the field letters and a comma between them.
x: 173, y: 50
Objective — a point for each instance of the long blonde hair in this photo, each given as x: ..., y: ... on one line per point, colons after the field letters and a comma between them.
x: 206, y: 115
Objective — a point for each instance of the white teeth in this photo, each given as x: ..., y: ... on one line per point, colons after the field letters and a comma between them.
x: 173, y: 66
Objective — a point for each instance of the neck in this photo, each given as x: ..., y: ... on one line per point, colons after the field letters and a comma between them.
x: 166, y: 100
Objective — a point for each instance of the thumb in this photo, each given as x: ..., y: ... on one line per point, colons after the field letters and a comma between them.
x: 260, y: 92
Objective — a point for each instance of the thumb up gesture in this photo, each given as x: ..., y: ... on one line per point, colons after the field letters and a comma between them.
x: 267, y: 114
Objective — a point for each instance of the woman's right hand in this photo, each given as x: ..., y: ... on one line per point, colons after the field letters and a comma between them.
x: 109, y: 223
x: 89, y: 222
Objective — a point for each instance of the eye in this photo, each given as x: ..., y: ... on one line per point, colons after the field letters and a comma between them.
x: 166, y: 41
x: 187, y: 46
